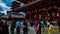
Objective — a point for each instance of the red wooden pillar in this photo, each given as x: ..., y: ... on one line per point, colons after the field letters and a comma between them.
x: 36, y: 16
x: 30, y: 17
x: 46, y: 14
x: 59, y: 13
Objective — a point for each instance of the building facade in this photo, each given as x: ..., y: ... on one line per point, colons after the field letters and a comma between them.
x: 46, y: 9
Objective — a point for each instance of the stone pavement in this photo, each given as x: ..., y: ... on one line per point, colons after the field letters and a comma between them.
x: 31, y: 31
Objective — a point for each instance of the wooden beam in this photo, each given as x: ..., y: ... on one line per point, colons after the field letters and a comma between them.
x: 36, y: 5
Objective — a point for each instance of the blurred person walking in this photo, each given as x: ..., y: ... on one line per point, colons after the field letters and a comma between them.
x: 36, y: 30
x: 18, y: 27
x: 12, y: 26
x: 39, y: 29
x: 48, y: 24
x: 35, y: 24
x: 25, y: 28
x: 1, y: 26
x: 31, y: 23
x: 5, y: 29
x: 51, y: 28
x: 42, y: 25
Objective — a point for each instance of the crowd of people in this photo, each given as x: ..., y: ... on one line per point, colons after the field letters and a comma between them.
x: 39, y: 26
x: 24, y: 24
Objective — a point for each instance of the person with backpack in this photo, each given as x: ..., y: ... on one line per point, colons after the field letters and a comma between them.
x: 18, y: 27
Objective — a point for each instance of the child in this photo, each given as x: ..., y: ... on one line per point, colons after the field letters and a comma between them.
x: 50, y: 28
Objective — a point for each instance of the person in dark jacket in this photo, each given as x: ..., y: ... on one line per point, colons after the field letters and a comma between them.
x: 18, y: 27
x: 4, y: 27
x: 25, y: 28
x: 12, y: 26
x: 1, y: 26
x: 39, y: 29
